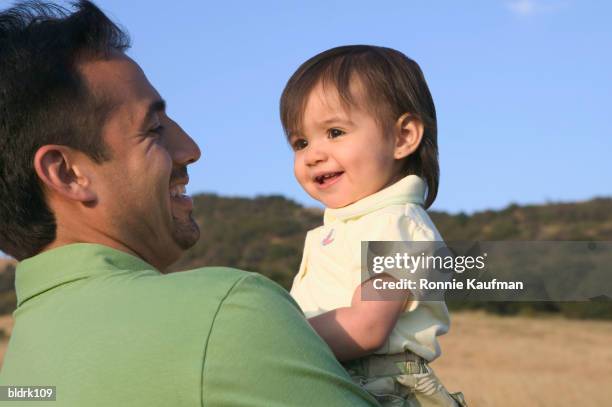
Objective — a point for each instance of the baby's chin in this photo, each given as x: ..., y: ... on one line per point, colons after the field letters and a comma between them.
x: 336, y: 200
x: 337, y: 203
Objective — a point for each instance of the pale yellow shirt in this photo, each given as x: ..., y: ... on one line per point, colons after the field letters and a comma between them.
x: 331, y: 264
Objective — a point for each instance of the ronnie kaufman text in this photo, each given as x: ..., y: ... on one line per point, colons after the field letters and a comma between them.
x: 469, y: 284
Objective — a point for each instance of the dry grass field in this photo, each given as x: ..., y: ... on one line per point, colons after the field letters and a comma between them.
x: 519, y: 361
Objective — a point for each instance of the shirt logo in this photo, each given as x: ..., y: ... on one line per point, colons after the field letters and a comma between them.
x: 328, y: 239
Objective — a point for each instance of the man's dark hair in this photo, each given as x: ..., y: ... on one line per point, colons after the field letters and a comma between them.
x: 45, y: 100
x: 393, y: 85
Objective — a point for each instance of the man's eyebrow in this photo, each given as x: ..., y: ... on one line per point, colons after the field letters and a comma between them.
x: 155, y: 106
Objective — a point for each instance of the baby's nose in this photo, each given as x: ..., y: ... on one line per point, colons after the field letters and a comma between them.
x: 315, y: 154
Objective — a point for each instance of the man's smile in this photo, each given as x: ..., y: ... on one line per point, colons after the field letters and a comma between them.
x: 178, y: 194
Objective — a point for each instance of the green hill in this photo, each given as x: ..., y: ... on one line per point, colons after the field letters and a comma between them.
x: 266, y: 235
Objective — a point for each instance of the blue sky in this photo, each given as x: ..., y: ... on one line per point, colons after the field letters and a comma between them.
x: 522, y: 87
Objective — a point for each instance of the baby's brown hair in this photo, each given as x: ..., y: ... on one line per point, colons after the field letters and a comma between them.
x: 393, y: 85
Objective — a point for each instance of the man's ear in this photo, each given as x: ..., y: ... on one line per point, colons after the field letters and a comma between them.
x: 59, y: 169
x: 408, y: 135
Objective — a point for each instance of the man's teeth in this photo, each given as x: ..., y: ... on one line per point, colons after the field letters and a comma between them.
x: 177, y: 191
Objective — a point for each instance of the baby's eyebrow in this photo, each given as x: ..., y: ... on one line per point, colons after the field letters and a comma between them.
x: 294, y: 134
x: 337, y: 119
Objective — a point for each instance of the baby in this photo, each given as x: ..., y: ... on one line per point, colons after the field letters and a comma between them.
x: 362, y: 124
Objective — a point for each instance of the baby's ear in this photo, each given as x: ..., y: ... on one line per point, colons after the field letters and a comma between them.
x: 62, y: 170
x: 408, y: 135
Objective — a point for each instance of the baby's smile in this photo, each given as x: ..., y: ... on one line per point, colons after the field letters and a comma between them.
x: 328, y: 178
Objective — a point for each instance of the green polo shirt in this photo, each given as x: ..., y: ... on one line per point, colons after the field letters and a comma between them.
x: 107, y: 329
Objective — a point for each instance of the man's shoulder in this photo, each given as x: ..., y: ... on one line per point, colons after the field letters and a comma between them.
x: 233, y: 302
x: 204, y: 284
x: 205, y: 277
x: 215, y: 285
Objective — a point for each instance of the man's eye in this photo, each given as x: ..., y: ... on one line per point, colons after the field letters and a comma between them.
x: 299, y: 144
x: 157, y: 130
x: 333, y: 133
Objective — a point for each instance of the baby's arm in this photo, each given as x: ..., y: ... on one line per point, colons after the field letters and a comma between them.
x: 358, y: 330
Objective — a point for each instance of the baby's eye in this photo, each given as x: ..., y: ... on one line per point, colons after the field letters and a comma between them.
x: 333, y: 133
x: 299, y: 144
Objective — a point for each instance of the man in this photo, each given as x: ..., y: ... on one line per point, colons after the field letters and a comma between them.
x: 92, y: 179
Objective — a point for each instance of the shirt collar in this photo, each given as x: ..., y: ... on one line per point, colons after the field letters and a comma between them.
x: 410, y: 189
x: 72, y: 262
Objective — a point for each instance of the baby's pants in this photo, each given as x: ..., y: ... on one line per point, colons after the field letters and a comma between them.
x: 402, y: 380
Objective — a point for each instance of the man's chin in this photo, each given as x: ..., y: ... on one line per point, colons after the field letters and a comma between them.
x: 186, y: 233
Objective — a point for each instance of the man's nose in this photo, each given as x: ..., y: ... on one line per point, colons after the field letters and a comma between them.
x: 184, y: 149
x: 315, y: 153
